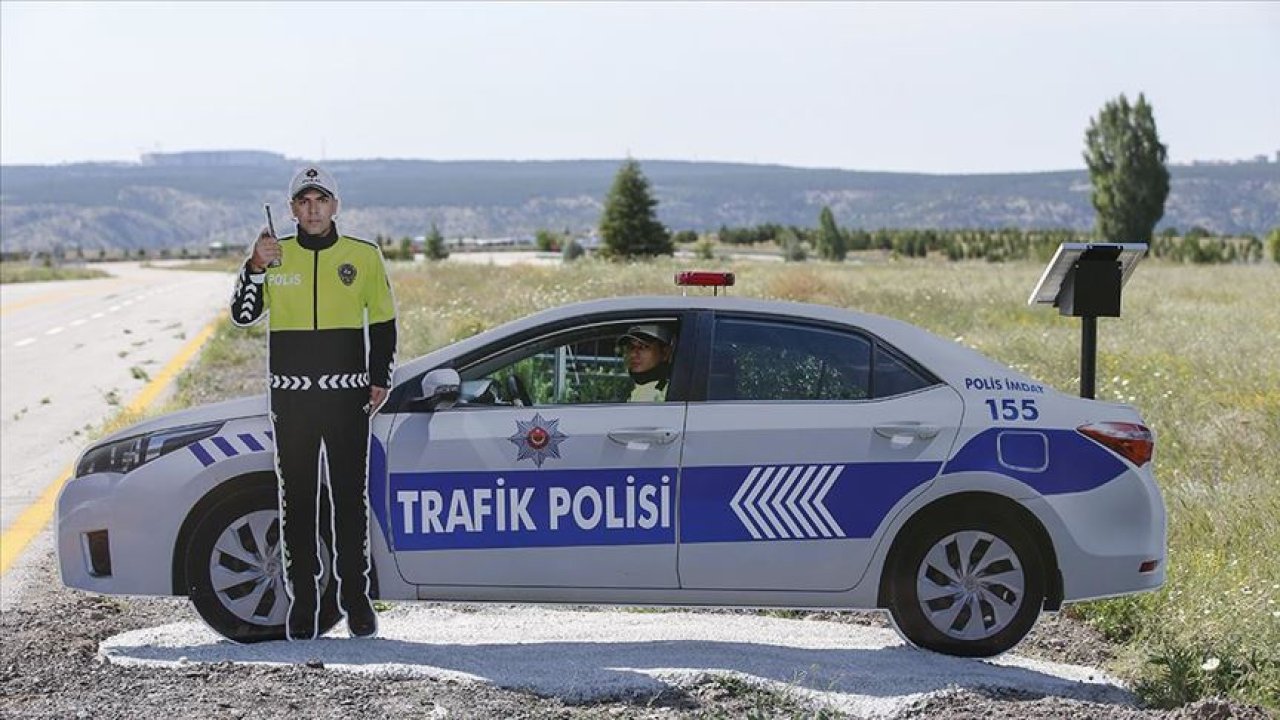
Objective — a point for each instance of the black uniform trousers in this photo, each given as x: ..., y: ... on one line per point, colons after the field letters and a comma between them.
x: 304, y: 420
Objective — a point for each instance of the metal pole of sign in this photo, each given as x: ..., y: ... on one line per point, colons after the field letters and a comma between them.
x: 1088, y: 355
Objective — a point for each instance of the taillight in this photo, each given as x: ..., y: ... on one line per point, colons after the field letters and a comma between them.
x: 1131, y: 440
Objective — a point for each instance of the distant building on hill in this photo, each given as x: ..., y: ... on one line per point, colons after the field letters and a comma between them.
x: 214, y: 158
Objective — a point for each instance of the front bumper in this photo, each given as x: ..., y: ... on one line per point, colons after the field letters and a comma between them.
x: 137, y: 559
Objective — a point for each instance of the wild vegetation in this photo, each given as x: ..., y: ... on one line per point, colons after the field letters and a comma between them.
x: 1194, y: 351
x: 20, y: 272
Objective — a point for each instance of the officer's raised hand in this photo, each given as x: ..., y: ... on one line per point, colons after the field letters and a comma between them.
x: 266, y: 250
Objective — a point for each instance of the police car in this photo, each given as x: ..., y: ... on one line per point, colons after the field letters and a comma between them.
x: 804, y: 456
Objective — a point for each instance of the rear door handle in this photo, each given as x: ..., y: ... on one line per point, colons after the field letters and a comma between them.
x: 924, y: 431
x: 646, y: 436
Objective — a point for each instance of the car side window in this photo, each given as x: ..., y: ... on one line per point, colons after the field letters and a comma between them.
x: 759, y: 360
x: 570, y: 368
x: 893, y: 376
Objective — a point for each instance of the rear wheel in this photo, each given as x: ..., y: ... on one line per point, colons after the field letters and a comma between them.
x: 966, y: 585
x: 235, y: 572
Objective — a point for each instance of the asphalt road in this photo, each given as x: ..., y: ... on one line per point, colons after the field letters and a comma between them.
x: 73, y: 353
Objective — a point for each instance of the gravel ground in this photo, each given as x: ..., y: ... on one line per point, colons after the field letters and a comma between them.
x: 50, y: 668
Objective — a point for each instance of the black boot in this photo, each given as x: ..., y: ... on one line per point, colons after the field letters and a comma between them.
x: 362, y: 620
x: 301, y: 624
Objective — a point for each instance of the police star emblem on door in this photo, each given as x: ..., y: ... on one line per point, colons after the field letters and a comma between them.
x: 537, y: 439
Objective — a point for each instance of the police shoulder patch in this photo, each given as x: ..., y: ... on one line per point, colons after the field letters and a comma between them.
x: 347, y: 273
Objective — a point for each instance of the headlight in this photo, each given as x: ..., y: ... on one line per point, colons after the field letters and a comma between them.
x: 123, y: 456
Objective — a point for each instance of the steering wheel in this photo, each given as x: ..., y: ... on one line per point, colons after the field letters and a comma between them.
x: 516, y: 389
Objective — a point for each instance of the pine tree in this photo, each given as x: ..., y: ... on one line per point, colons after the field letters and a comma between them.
x: 1127, y: 167
x: 629, y: 227
x: 435, y: 248
x: 831, y: 242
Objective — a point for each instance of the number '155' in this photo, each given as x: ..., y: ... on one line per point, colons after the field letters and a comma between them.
x: 1011, y: 409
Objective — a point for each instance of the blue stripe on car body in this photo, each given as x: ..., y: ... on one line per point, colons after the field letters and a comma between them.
x: 1075, y: 463
x: 858, y: 500
x: 225, y: 446
x: 201, y: 454
x: 250, y: 442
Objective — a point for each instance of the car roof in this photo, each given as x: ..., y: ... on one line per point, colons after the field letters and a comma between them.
x: 948, y: 360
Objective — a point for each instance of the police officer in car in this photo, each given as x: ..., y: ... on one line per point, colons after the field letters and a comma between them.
x: 322, y: 291
x: 647, y: 353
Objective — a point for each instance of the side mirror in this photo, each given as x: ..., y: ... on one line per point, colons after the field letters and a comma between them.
x: 440, y: 389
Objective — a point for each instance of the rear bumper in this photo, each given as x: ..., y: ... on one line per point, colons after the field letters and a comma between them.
x: 1110, y: 540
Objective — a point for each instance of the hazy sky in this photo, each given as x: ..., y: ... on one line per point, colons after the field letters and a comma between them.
x: 894, y: 86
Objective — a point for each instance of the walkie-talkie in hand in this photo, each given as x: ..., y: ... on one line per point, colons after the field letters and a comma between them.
x: 271, y: 227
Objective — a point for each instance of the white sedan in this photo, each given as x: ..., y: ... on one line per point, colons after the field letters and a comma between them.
x: 804, y: 457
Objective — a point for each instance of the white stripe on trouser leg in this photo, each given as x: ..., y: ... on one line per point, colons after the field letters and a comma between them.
x: 322, y: 463
x: 333, y: 533
x: 280, y: 506
x: 364, y: 496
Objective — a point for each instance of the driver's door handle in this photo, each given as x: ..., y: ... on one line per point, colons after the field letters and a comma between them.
x: 923, y: 431
x: 656, y: 436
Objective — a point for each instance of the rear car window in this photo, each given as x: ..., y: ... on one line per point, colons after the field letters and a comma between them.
x: 769, y: 360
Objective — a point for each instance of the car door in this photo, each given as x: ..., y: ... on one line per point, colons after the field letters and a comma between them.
x: 808, y: 436
x: 568, y: 486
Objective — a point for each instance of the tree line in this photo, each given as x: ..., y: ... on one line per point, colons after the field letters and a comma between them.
x: 830, y: 242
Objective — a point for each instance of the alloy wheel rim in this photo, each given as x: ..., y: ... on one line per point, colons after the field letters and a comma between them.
x: 970, y: 585
x: 247, y: 571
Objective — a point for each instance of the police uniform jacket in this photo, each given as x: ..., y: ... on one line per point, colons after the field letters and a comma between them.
x: 316, y: 302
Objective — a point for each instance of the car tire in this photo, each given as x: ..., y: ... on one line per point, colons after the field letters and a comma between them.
x: 234, y: 569
x: 966, y: 584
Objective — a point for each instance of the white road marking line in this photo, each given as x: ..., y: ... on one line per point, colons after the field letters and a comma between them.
x: 24, y: 341
x: 113, y: 308
x: 96, y: 315
x: 54, y: 331
x: 78, y: 323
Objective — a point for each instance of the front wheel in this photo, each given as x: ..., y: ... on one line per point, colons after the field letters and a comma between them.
x: 966, y: 585
x: 235, y: 573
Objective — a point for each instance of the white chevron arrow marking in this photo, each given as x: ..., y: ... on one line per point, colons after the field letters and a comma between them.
x: 785, y: 502
x: 764, y: 504
x: 821, y: 506
x: 752, y: 510
x: 806, y: 501
x: 795, y: 494
x: 781, y: 495
x: 736, y: 503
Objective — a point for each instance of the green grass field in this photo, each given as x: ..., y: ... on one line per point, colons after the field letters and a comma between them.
x: 21, y: 272
x: 1196, y: 352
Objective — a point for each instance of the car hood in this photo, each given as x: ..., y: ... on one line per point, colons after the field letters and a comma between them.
x: 228, y: 410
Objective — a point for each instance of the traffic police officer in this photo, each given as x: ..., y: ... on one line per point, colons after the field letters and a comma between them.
x: 320, y: 290
x: 647, y: 351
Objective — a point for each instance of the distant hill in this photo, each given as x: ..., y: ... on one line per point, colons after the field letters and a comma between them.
x: 193, y: 199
